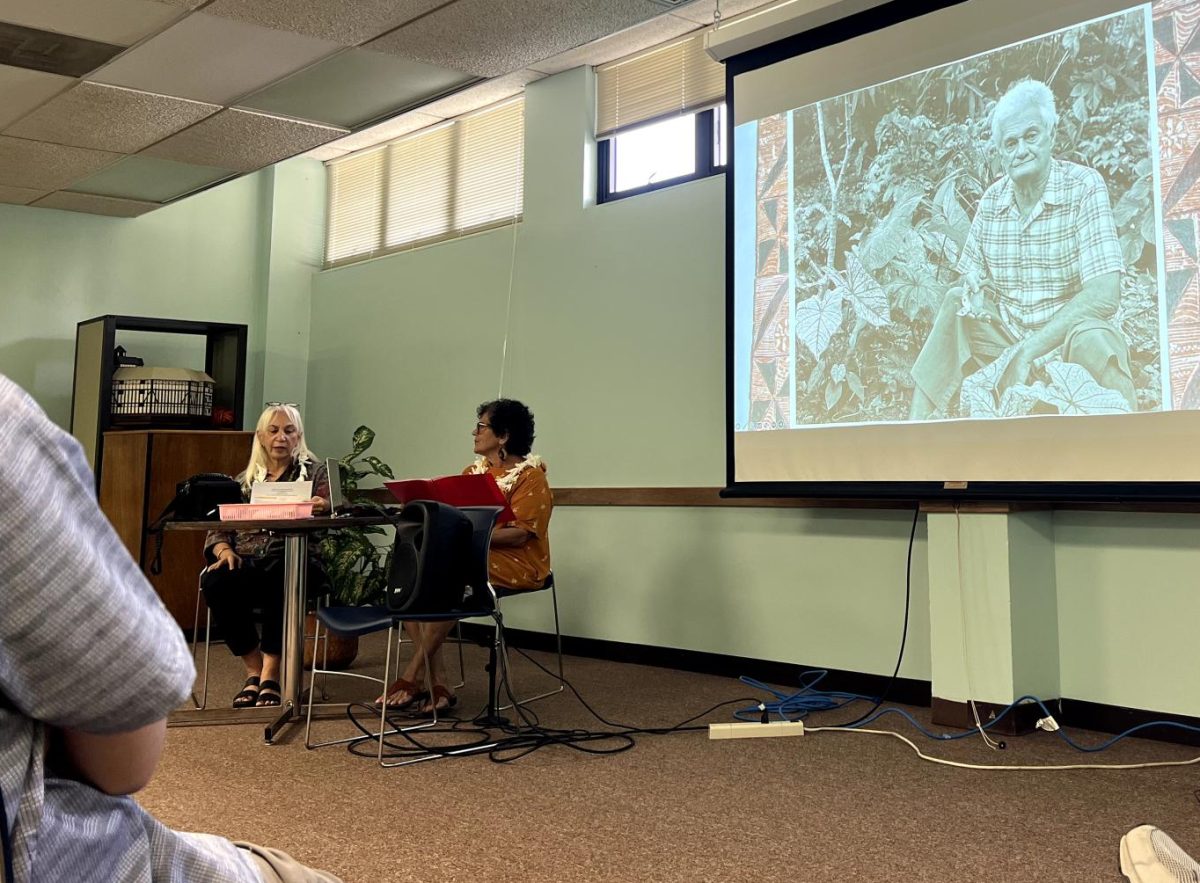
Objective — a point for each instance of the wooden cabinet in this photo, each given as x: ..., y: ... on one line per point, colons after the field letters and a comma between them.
x: 141, y: 469
x: 92, y: 390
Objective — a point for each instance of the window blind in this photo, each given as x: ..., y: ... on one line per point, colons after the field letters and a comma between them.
x: 439, y: 183
x: 674, y: 79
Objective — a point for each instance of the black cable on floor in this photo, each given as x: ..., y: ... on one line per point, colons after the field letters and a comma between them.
x: 912, y: 535
x: 516, y: 740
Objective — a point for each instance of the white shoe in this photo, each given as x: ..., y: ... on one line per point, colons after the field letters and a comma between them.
x: 1148, y: 855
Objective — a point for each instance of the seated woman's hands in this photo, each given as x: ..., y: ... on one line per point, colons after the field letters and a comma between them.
x: 320, y: 506
x: 227, y: 557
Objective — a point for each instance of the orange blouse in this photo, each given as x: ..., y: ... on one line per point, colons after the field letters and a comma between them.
x: 525, y: 566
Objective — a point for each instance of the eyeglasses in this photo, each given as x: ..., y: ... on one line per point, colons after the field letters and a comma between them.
x: 281, y: 405
x: 480, y: 427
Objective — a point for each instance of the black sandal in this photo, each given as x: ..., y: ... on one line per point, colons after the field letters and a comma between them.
x: 247, y: 698
x: 269, y: 694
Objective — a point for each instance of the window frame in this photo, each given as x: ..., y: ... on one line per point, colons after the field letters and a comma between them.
x: 706, y: 159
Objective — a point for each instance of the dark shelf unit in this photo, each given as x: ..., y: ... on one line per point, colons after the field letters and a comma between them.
x: 91, y: 395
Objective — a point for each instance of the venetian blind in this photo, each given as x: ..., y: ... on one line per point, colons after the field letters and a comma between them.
x: 674, y: 79
x: 445, y: 181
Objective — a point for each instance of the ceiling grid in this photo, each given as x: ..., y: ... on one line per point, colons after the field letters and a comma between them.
x: 117, y: 107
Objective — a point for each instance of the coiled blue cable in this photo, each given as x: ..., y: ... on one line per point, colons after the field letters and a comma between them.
x: 796, y: 706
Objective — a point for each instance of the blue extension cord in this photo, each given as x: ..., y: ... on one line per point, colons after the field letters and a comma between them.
x: 798, y: 705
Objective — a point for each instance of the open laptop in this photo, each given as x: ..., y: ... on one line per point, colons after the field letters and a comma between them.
x: 337, y: 501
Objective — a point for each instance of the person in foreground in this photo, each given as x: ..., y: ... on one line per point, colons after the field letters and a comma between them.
x: 91, y: 664
x: 520, y: 553
x: 1148, y: 855
x: 1041, y: 268
x: 245, y: 568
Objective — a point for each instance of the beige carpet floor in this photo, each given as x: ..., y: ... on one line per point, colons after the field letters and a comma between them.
x: 821, y: 807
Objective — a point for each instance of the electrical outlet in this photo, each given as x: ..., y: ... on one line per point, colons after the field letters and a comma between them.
x: 752, y: 730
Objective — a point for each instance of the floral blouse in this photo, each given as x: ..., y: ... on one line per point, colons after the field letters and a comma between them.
x: 528, y: 494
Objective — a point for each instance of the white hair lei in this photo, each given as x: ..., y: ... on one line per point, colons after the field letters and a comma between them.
x: 509, y: 478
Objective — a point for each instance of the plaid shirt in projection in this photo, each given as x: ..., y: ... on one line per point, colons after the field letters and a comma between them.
x: 1042, y: 262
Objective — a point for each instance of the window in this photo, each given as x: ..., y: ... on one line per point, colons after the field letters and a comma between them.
x: 451, y: 179
x: 661, y: 154
x: 659, y: 120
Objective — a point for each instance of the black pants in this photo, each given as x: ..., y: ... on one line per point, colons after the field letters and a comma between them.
x: 233, y: 596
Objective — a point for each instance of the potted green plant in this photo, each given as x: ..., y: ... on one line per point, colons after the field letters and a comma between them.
x: 356, y: 564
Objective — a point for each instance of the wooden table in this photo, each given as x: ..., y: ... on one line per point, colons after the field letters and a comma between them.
x: 295, y: 534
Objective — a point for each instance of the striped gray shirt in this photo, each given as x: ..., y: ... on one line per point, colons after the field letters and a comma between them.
x: 85, y: 644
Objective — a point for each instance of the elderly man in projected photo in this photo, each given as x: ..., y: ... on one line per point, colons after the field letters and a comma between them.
x: 1040, y: 267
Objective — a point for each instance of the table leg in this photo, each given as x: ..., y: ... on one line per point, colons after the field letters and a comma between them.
x: 295, y: 574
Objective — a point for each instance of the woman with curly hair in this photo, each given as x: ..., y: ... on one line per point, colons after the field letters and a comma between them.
x: 520, y: 552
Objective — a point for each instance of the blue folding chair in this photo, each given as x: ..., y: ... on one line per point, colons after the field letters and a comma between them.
x: 359, y: 621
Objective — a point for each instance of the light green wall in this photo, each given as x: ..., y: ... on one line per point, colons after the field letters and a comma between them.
x: 294, y: 241
x: 198, y: 259
x: 1128, y: 605
x: 616, y: 340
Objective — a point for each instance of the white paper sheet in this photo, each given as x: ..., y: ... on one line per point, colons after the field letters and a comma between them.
x: 281, y: 491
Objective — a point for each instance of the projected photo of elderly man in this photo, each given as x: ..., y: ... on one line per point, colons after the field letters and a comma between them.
x: 1040, y: 268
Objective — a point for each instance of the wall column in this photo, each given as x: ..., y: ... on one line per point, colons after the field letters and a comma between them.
x: 993, y: 611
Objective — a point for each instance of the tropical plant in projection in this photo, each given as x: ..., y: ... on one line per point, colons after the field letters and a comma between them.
x: 885, y: 183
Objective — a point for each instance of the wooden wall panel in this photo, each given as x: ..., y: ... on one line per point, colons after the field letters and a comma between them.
x: 138, y: 479
x: 123, y: 487
x: 174, y: 457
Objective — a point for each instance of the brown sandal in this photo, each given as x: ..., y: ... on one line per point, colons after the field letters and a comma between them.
x: 415, y: 694
x: 439, y: 693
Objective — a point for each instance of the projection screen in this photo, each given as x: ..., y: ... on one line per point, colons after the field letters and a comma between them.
x: 964, y: 248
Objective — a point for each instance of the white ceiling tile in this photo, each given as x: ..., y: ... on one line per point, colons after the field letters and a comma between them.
x: 95, y: 205
x: 23, y: 90
x: 242, y: 141
x: 120, y: 22
x: 19, y: 195
x: 354, y: 88
x: 109, y: 118
x: 492, y: 39
x: 347, y: 22
x: 212, y: 59
x: 325, y: 153
x: 385, y: 131
x: 643, y: 36
x: 148, y: 179
x: 701, y: 11
x: 481, y: 95
x: 42, y: 166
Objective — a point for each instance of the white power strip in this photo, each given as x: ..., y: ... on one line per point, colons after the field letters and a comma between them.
x: 752, y: 730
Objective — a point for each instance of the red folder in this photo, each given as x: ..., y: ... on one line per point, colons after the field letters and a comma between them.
x: 454, y: 490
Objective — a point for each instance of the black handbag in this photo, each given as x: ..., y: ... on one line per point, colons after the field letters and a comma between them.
x: 196, y: 499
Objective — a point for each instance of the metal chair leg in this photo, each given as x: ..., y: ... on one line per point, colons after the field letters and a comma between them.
x: 462, y: 669
x: 383, y: 731
x: 202, y: 702
x: 562, y: 681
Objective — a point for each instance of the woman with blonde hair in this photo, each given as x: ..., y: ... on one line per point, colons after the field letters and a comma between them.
x: 245, y: 568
